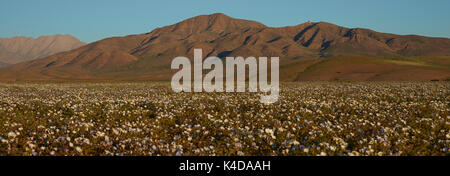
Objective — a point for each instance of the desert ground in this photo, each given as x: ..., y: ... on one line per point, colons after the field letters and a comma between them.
x: 147, y: 118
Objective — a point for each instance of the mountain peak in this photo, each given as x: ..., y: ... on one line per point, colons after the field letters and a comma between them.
x: 219, y: 14
x: 217, y: 22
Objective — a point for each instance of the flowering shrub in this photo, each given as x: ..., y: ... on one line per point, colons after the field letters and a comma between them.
x: 149, y: 119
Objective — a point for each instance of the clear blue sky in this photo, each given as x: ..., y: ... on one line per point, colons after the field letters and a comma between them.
x: 91, y: 20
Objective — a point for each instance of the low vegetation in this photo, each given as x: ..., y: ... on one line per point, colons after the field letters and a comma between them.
x: 149, y: 119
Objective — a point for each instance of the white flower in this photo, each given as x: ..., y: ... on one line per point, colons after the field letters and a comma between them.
x: 78, y: 149
x: 12, y: 134
x: 333, y: 148
x: 306, y: 150
x: 116, y: 132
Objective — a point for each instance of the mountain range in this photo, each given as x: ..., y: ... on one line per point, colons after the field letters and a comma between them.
x: 18, y: 49
x: 312, y: 51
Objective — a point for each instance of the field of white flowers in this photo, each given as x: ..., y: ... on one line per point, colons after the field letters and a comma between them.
x: 149, y: 119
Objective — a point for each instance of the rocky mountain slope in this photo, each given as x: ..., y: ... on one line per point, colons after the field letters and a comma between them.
x: 309, y: 51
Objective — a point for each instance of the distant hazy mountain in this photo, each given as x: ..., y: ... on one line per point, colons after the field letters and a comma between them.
x: 309, y: 51
x: 19, y: 49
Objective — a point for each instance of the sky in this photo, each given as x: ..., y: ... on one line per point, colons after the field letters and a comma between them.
x: 92, y: 20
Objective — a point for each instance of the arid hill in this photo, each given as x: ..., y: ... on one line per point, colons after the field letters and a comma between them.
x: 19, y: 49
x: 308, y: 52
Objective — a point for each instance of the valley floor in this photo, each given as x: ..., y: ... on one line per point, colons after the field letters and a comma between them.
x: 310, y: 118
